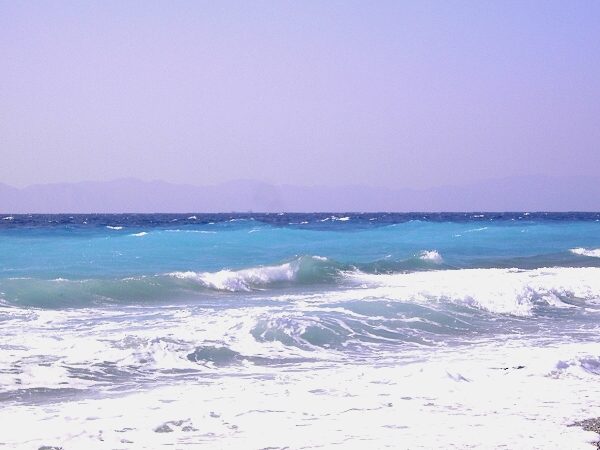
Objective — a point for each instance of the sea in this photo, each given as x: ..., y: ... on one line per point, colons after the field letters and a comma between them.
x: 297, y: 331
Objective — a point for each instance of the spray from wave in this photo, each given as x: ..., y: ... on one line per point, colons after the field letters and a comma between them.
x: 431, y: 255
x: 504, y: 291
x: 241, y: 280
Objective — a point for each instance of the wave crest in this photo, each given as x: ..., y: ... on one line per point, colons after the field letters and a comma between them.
x: 504, y: 291
x: 593, y: 253
x: 431, y: 255
x: 302, y: 269
x: 241, y: 280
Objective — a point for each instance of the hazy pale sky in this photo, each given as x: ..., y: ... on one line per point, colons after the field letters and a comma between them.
x: 396, y: 94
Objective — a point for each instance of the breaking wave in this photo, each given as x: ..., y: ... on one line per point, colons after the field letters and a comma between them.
x: 593, y: 253
x: 423, y: 280
x: 431, y: 255
x: 504, y: 291
x: 302, y: 270
x: 242, y: 280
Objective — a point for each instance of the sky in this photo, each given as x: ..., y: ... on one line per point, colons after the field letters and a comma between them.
x: 389, y: 93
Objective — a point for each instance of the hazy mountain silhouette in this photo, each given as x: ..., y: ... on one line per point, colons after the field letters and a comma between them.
x: 532, y: 193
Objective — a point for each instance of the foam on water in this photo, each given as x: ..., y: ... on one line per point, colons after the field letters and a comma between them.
x: 431, y: 255
x: 418, y: 405
x: 242, y: 280
x: 505, y: 291
x: 594, y: 253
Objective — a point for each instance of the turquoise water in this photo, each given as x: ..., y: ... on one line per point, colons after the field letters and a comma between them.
x: 109, y: 248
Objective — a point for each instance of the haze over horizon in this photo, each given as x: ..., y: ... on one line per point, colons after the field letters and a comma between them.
x: 129, y: 195
x: 394, y: 94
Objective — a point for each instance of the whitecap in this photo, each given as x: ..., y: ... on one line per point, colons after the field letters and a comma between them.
x: 504, y: 291
x: 431, y: 255
x: 593, y: 253
x: 473, y: 230
x: 191, y: 231
x: 242, y: 280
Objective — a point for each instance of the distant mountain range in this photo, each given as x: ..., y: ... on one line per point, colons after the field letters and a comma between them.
x: 534, y: 193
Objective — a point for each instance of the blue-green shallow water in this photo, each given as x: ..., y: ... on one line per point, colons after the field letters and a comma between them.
x: 52, y: 261
x: 113, y: 246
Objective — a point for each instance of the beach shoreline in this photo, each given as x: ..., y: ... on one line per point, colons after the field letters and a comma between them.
x: 592, y: 424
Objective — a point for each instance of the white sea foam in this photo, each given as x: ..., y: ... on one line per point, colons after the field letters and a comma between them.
x: 594, y: 253
x: 191, y: 231
x: 505, y: 291
x: 511, y: 391
x: 336, y: 218
x: 110, y: 227
x: 242, y: 280
x: 8, y: 218
x: 473, y: 230
x: 523, y: 390
x: 192, y: 218
x: 140, y: 234
x: 431, y: 255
